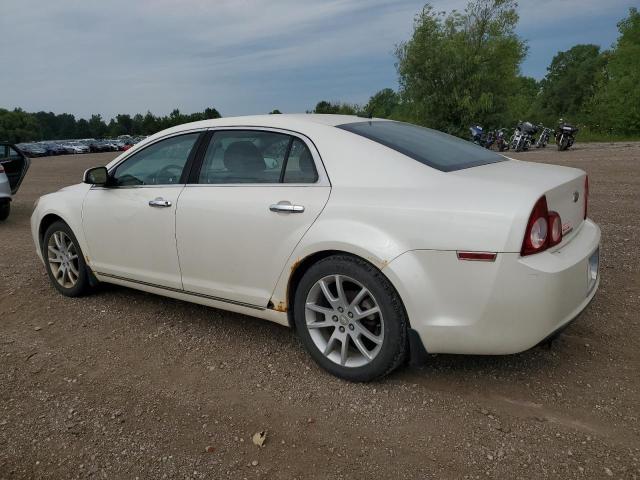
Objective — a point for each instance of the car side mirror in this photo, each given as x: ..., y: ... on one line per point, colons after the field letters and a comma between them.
x: 96, y: 176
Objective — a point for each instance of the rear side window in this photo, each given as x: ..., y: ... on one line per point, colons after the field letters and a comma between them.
x: 255, y: 156
x: 300, y: 166
x: 433, y: 148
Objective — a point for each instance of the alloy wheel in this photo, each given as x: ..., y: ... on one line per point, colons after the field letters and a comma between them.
x: 62, y: 256
x: 344, y: 320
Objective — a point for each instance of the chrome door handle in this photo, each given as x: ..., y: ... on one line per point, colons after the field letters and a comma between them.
x: 159, y: 202
x: 286, y: 207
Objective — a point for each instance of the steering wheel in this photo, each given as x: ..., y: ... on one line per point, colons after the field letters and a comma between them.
x: 168, y: 174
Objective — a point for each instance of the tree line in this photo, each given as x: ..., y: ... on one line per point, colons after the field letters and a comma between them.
x: 463, y: 68
x: 20, y: 126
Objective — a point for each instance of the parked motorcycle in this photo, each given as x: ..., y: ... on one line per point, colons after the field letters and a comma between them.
x: 565, y: 135
x: 477, y: 135
x: 544, y: 137
x: 501, y: 141
x: 523, y: 136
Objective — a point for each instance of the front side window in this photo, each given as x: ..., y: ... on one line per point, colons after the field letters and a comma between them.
x: 159, y: 164
x: 254, y: 156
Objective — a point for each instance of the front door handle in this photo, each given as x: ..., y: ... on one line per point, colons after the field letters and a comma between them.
x: 159, y: 202
x: 286, y: 207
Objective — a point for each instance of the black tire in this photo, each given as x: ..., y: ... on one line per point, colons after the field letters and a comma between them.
x: 563, y: 144
x: 394, y: 346
x: 82, y: 285
x: 5, y: 210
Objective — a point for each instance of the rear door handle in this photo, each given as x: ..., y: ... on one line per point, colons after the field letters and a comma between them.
x: 159, y: 203
x: 286, y: 207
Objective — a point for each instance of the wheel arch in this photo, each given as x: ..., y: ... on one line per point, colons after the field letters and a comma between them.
x: 45, y: 222
x: 49, y: 219
x: 301, y: 266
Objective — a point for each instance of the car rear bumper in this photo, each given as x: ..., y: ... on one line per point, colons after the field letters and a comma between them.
x: 500, y: 307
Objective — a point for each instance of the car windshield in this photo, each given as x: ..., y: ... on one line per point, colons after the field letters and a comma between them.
x: 433, y: 148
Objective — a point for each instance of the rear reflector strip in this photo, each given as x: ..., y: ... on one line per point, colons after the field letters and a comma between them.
x: 477, y: 256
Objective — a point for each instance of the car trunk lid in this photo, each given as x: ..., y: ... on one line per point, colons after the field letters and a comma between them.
x: 563, y: 187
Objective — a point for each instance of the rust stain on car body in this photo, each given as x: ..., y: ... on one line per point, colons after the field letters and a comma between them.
x: 295, y: 265
x: 280, y: 307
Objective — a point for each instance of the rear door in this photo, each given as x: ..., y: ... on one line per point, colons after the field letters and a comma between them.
x: 238, y: 221
x: 15, y: 165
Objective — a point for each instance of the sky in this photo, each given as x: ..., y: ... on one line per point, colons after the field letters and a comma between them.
x: 240, y: 56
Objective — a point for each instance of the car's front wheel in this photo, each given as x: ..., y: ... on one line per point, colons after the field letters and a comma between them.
x: 350, y: 318
x: 64, y: 260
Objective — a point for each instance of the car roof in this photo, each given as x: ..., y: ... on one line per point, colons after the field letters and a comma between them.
x: 292, y: 121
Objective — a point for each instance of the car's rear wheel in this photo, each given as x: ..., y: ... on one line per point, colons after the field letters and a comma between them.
x: 64, y: 260
x: 350, y: 318
x: 5, y: 209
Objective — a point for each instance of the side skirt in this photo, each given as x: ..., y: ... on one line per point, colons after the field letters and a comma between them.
x: 199, y: 298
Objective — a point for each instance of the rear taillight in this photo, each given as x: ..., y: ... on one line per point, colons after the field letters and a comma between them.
x: 555, y: 229
x: 544, y: 229
x: 586, y: 195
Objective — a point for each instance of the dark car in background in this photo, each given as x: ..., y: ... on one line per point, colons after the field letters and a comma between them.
x: 32, y: 149
x: 53, y: 148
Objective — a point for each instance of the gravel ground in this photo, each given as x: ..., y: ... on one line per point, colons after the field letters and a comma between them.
x: 124, y: 384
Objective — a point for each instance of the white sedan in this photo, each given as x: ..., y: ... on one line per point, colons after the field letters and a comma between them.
x: 378, y: 241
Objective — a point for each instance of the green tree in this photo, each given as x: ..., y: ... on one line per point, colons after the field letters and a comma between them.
x: 383, y: 104
x: 461, y: 68
x: 211, y: 113
x: 570, y: 83
x: 521, y: 103
x: 149, y: 124
x: 17, y: 126
x: 97, y: 127
x: 616, y: 106
x: 83, y: 129
x: 275, y: 112
x: 66, y: 126
x: 336, y: 108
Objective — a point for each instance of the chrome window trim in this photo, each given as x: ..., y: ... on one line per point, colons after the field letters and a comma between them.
x: 323, y: 176
x: 128, y: 154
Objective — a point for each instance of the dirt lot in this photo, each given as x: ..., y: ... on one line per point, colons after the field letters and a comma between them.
x: 124, y: 384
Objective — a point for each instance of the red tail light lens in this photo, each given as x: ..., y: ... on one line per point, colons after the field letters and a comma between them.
x: 586, y: 195
x: 544, y: 229
x: 555, y: 228
x: 536, y: 235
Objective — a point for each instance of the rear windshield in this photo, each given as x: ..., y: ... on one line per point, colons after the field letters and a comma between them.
x: 431, y: 147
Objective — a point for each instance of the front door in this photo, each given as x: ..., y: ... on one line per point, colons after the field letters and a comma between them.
x: 129, y: 225
x: 256, y: 195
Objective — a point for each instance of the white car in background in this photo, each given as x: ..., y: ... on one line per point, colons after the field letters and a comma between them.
x: 13, y: 167
x: 76, y: 147
x: 376, y: 240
